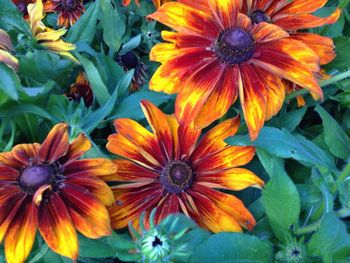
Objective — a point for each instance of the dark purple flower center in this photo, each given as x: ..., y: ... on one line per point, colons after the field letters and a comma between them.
x: 176, y: 176
x: 33, y: 177
x: 129, y: 60
x: 234, y: 46
x: 68, y: 5
x: 259, y: 16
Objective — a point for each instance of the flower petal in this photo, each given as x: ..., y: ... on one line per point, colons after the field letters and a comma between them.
x: 322, y: 46
x: 302, y: 7
x: 232, y: 179
x: 265, y: 32
x: 98, y: 167
x: 170, y: 205
x: 8, y: 159
x: 56, y: 227
x: 77, y: 148
x: 130, y: 203
x: 229, y: 157
x: 304, y: 21
x: 196, y: 90
x: 213, y: 140
x: 161, y: 129
x: 7, y: 174
x: 252, y: 93
x: 188, y: 136
x: 186, y: 19
x: 225, y: 11
x: 21, y: 234
x: 230, y: 205
x: 130, y: 172
x: 184, y: 40
x: 96, y: 187
x: 219, y: 101
x: 88, y: 214
x: 56, y: 144
x: 210, y: 215
x: 26, y: 153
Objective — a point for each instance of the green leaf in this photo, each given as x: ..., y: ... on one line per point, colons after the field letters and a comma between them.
x: 100, y: 248
x: 92, y: 120
x: 284, y: 144
x: 84, y: 29
x: 98, y: 87
x: 232, y: 247
x: 9, y: 82
x: 331, y: 242
x: 335, y: 137
x: 11, y: 18
x: 342, y: 59
x: 113, y: 23
x: 130, y: 106
x: 282, y: 202
x: 130, y: 45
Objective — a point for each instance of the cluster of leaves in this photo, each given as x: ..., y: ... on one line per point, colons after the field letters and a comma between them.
x: 303, y: 153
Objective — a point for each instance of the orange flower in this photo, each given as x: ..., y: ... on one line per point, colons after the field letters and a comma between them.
x: 81, y: 90
x: 45, y: 186
x: 69, y: 11
x: 217, y: 55
x: 176, y: 171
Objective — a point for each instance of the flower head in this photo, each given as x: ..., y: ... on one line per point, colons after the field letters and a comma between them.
x: 47, y: 37
x: 81, y: 90
x: 45, y: 186
x: 69, y: 11
x: 5, y: 51
x: 176, y: 171
x: 130, y: 61
x: 217, y: 54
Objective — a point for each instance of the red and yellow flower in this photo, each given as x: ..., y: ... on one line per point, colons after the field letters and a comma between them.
x: 176, y: 171
x: 45, y: 186
x: 81, y: 90
x: 47, y: 37
x: 69, y: 11
x: 217, y: 54
x: 6, y: 49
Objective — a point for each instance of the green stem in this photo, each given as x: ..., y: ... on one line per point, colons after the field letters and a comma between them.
x: 309, y: 228
x: 335, y: 79
x: 296, y: 94
x: 345, y: 173
x: 343, y: 4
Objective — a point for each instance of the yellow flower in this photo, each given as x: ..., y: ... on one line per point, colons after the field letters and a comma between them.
x: 5, y: 49
x: 46, y: 36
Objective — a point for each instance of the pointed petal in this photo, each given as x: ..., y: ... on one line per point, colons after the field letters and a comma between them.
x: 26, y: 153
x: 88, y: 214
x: 252, y: 93
x: 265, y: 32
x: 304, y: 21
x: 188, y: 137
x: 232, y: 179
x: 229, y: 204
x: 196, y: 90
x: 130, y: 203
x: 184, y: 40
x: 130, y: 172
x: 225, y: 11
x: 302, y: 7
x: 211, y: 216
x: 96, y: 187
x: 139, y: 136
x: 77, y: 148
x: 322, y: 46
x: 56, y: 227
x: 161, y: 129
x: 20, y: 236
x: 8, y: 159
x: 219, y: 101
x: 170, y: 205
x: 56, y: 144
x: 213, y: 140
x: 229, y: 157
x: 8, y: 59
x: 186, y: 19
x: 98, y: 167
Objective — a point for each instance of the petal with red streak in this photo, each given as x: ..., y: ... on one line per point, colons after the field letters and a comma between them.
x: 26, y: 153
x: 225, y: 11
x: 265, y: 32
x: 56, y: 144
x: 131, y: 172
x: 302, y: 7
x: 7, y: 174
x: 20, y: 236
x: 77, y: 148
x: 183, y: 41
x: 56, y: 227
x: 88, y: 214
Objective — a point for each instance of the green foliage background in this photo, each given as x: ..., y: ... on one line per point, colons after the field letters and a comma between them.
x: 302, y: 213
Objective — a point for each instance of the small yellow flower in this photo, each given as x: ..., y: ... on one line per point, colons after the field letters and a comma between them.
x: 46, y: 36
x: 5, y: 49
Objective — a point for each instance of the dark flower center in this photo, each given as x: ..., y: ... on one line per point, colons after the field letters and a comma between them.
x: 295, y: 252
x: 157, y: 242
x: 176, y: 176
x: 129, y: 60
x: 68, y: 5
x: 259, y: 16
x: 234, y: 46
x: 35, y: 176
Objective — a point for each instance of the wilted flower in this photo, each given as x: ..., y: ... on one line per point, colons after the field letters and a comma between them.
x: 5, y: 51
x: 69, y: 11
x: 81, y: 90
